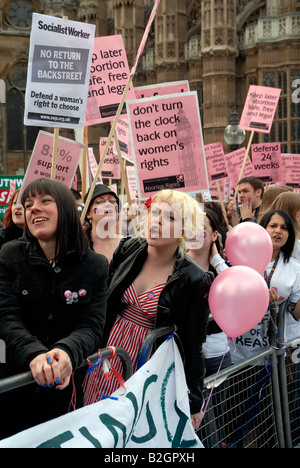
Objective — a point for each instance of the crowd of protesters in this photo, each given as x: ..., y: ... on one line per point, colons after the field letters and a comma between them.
x: 67, y: 289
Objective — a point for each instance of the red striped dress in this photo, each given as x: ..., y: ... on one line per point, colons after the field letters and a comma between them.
x: 129, y: 331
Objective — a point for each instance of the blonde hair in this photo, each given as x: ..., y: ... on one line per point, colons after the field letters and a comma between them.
x: 269, y: 196
x: 289, y: 202
x: 187, y: 208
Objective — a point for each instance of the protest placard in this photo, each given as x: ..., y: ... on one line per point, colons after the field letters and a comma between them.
x: 162, y: 89
x: 266, y: 160
x: 109, y: 76
x: 141, y: 92
x: 59, y: 65
x: 167, y: 139
x: 93, y: 164
x: 112, y: 133
x: 40, y: 164
x: 153, y: 413
x: 111, y: 167
x: 216, y: 169
x: 259, y: 110
x: 131, y: 177
x: 290, y: 170
x: 234, y: 161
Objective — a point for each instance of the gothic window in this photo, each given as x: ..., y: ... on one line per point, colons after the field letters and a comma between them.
x: 19, y: 137
x: 18, y: 13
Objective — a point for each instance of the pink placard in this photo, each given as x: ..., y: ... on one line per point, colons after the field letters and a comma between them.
x: 111, y: 167
x: 93, y: 165
x: 216, y: 168
x: 108, y: 79
x: 259, y: 110
x: 123, y: 136
x: 215, y: 161
x: 161, y: 89
x: 168, y: 144
x: 290, y: 173
x: 266, y: 159
x: 234, y: 162
x: 40, y: 164
x: 122, y: 128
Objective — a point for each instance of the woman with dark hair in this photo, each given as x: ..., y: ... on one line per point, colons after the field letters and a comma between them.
x: 283, y: 279
x: 13, y: 221
x: 52, y: 307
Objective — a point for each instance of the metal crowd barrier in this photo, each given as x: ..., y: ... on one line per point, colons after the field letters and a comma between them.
x: 20, y: 380
x: 251, y: 405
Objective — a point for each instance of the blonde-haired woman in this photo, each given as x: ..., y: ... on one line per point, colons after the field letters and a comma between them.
x: 153, y: 284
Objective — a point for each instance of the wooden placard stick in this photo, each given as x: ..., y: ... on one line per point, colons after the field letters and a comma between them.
x: 84, y: 162
x: 244, y: 163
x: 54, y: 153
x: 222, y: 204
x: 109, y: 139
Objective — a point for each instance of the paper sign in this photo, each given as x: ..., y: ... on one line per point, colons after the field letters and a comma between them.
x: 122, y: 128
x: 266, y: 159
x: 59, y: 64
x: 109, y: 76
x: 290, y: 174
x: 215, y: 161
x: 39, y: 167
x: 216, y: 168
x: 111, y: 168
x: 234, y: 162
x: 259, y: 109
x: 131, y: 177
x: 161, y: 89
x: 93, y: 165
x: 167, y: 140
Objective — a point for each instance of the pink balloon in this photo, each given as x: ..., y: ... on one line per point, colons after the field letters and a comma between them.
x: 250, y: 245
x: 238, y: 300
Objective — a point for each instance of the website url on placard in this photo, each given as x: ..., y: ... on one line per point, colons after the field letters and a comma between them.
x: 52, y: 118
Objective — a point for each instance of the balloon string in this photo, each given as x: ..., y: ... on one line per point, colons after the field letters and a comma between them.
x: 214, y: 384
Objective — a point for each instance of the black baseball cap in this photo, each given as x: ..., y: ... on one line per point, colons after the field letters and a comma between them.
x: 101, y: 189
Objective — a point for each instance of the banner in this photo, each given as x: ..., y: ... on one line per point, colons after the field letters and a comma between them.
x: 167, y: 142
x: 259, y: 110
x: 109, y: 76
x: 40, y: 164
x: 152, y: 413
x: 59, y: 65
x: 7, y: 182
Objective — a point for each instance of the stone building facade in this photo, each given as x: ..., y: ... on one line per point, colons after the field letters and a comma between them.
x: 220, y: 46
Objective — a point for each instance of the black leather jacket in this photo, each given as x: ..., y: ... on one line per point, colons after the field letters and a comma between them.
x: 34, y: 314
x: 183, y: 302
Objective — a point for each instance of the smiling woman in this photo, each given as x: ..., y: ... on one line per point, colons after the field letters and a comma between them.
x: 43, y: 329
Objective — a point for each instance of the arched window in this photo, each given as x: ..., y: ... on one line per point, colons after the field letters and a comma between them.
x: 18, y: 137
